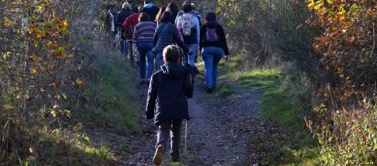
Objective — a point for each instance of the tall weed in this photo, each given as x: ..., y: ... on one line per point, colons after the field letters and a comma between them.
x: 350, y: 138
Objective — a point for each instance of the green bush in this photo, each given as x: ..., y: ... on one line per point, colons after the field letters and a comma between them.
x: 350, y: 138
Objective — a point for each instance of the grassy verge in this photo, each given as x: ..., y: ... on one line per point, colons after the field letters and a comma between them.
x: 112, y: 94
x: 110, y: 100
x: 285, y: 100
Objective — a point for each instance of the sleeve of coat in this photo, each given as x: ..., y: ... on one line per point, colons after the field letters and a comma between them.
x: 202, y: 34
x: 126, y: 23
x: 223, y: 40
x: 155, y: 37
x: 151, y: 98
x: 197, y: 28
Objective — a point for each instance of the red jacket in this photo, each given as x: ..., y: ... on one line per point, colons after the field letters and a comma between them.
x: 131, y: 21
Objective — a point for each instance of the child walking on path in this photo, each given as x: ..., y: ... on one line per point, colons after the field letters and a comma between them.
x: 168, y: 91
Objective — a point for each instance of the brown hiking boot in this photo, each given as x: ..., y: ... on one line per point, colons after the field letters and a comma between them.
x: 157, y: 159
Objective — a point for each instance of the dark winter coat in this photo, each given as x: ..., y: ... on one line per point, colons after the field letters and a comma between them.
x: 151, y: 10
x: 220, y: 33
x: 168, y: 91
x: 167, y: 34
x: 122, y: 15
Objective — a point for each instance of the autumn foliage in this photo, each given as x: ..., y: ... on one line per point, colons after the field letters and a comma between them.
x: 39, y: 81
x: 346, y: 97
x: 348, y: 49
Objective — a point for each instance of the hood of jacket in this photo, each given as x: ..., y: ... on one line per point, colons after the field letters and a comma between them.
x: 212, y: 24
x: 173, y: 70
x: 148, y: 5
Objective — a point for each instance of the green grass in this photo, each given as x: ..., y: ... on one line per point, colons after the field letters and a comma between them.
x: 116, y: 100
x: 61, y: 147
x: 284, y: 100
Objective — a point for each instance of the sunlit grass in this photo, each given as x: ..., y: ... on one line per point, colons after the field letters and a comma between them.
x: 63, y: 147
x: 284, y: 100
x: 114, y: 96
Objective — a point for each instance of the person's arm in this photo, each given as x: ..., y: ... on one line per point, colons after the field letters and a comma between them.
x: 178, y: 22
x: 156, y: 35
x: 126, y: 23
x: 179, y: 41
x: 151, y: 98
x: 223, y: 40
x: 202, y: 34
x: 197, y: 28
x: 136, y: 34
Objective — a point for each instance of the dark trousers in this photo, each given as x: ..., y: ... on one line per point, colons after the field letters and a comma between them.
x: 170, y: 129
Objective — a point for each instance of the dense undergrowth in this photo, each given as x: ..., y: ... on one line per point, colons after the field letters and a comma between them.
x: 55, y: 82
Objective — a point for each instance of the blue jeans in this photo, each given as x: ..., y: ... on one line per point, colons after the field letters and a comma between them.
x: 159, y: 60
x: 126, y: 49
x: 145, y: 52
x: 211, y: 57
x: 191, y: 58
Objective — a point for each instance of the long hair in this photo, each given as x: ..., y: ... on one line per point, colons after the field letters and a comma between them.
x: 173, y: 8
x: 167, y: 16
x: 159, y: 14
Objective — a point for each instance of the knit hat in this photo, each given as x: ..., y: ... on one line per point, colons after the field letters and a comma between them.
x: 126, y: 5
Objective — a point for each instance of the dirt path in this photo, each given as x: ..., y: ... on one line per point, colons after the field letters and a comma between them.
x: 223, y: 131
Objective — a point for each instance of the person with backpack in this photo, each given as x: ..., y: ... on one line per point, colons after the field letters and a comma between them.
x: 128, y: 26
x: 195, y: 12
x: 188, y: 25
x: 143, y: 39
x: 121, y: 17
x: 212, y: 45
x: 167, y: 103
x: 150, y: 9
x: 166, y: 34
x: 180, y: 13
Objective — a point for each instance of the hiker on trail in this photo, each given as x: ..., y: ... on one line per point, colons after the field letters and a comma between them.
x: 196, y: 13
x: 128, y: 26
x: 212, y: 45
x: 150, y: 9
x: 159, y: 14
x: 122, y: 15
x: 173, y: 8
x: 166, y: 34
x: 143, y: 39
x: 180, y: 13
x: 110, y: 25
x: 111, y: 20
x: 168, y: 91
x: 188, y: 25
